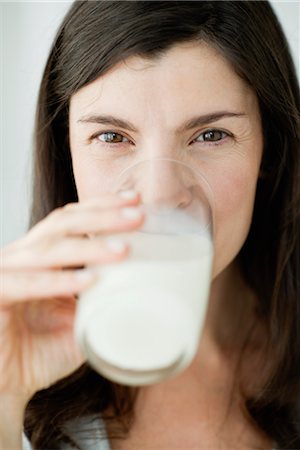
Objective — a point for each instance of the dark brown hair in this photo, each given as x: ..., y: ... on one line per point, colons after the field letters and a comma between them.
x: 94, y: 36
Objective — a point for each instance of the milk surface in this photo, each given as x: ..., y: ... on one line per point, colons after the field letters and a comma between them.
x: 147, y: 312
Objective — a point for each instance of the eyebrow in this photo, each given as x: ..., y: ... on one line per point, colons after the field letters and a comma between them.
x: 191, y: 123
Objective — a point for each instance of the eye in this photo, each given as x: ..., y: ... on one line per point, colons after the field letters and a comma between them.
x: 110, y: 137
x: 213, y: 135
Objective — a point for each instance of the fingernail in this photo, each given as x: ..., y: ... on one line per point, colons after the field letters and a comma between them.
x: 115, y: 245
x: 131, y: 213
x: 128, y: 195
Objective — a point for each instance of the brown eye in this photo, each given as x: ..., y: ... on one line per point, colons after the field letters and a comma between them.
x: 112, y: 138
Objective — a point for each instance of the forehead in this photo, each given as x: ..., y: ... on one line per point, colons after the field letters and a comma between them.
x: 189, y: 76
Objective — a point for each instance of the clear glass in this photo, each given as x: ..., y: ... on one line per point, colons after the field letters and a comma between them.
x: 142, y: 321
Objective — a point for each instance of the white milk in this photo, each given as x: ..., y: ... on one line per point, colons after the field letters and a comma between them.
x: 146, y: 313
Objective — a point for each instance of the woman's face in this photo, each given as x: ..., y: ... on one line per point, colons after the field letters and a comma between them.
x: 188, y: 104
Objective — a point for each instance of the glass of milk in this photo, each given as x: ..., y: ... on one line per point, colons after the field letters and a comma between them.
x: 141, y: 322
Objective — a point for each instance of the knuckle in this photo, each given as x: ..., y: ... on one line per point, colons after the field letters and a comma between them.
x: 31, y: 280
x: 71, y: 280
x: 56, y: 220
x: 70, y: 206
x: 57, y: 212
x: 14, y: 258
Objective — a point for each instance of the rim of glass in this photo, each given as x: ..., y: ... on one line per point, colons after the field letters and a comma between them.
x: 208, y: 188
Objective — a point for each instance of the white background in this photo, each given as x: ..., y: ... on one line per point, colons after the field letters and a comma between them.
x: 27, y: 31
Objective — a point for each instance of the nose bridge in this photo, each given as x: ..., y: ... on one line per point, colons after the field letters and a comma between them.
x: 164, y: 183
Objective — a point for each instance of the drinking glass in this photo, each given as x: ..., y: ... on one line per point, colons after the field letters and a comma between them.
x: 141, y: 322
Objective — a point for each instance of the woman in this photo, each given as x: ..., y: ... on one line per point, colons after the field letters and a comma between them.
x: 209, y: 82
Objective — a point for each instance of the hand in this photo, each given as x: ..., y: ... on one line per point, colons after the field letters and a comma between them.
x: 42, y: 274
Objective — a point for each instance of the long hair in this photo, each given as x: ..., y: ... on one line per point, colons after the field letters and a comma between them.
x: 96, y: 35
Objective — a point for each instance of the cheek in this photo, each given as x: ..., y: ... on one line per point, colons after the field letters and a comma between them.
x: 91, y: 177
x: 86, y: 178
x: 234, y: 194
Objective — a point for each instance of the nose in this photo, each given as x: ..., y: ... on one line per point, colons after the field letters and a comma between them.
x: 162, y: 183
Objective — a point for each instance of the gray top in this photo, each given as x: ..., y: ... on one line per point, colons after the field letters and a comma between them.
x: 89, y: 433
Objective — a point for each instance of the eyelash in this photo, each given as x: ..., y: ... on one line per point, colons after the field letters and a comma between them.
x: 206, y: 143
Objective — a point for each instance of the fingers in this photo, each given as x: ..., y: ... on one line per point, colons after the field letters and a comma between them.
x: 39, y: 285
x: 68, y: 223
x: 94, y: 215
x: 108, y: 200
x: 29, y: 266
x: 67, y: 252
x: 61, y: 239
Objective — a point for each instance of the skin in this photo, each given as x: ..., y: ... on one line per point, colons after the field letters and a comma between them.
x: 157, y: 98
x: 189, y: 81
x: 41, y: 273
x: 40, y: 280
